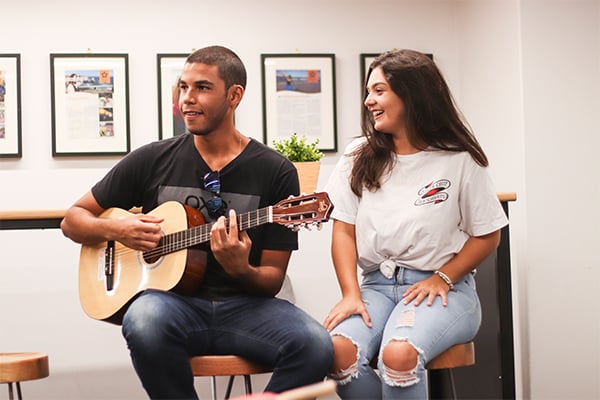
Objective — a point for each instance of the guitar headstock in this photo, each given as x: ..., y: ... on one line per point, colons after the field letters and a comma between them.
x: 303, y: 211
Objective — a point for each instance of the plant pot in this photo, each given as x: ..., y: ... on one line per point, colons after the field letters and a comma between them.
x: 308, y: 173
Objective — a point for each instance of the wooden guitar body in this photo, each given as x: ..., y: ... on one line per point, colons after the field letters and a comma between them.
x: 112, y: 275
x: 133, y: 273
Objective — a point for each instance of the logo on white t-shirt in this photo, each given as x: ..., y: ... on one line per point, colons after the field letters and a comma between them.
x: 433, y: 193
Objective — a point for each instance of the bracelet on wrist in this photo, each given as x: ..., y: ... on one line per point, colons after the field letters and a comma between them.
x: 445, y: 278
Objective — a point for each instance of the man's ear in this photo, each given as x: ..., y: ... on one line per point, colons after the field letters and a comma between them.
x: 236, y: 93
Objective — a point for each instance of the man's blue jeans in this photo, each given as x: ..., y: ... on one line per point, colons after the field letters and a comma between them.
x: 163, y: 329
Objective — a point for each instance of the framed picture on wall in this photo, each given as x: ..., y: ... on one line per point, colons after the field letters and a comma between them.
x: 90, y: 104
x: 170, y: 121
x: 365, y: 61
x: 298, y: 93
x: 10, y: 105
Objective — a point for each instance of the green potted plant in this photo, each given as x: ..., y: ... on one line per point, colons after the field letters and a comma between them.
x: 305, y: 156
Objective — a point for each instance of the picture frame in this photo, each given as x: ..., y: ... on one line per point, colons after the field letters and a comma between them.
x: 10, y: 106
x: 90, y: 104
x: 298, y: 93
x: 365, y: 61
x: 169, y: 67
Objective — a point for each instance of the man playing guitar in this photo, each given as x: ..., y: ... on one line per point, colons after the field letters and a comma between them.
x: 214, y: 169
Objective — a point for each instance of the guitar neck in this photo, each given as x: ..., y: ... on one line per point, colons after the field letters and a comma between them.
x: 200, y: 234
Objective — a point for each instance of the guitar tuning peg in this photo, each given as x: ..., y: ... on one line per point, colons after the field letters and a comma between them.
x: 319, y: 226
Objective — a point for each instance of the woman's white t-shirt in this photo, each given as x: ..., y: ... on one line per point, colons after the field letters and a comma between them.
x: 426, y: 209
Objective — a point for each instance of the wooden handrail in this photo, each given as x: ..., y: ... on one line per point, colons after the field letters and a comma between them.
x: 59, y: 214
x: 507, y: 196
x: 10, y: 215
x: 31, y: 214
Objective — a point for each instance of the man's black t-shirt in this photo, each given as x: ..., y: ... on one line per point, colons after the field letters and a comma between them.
x: 172, y: 169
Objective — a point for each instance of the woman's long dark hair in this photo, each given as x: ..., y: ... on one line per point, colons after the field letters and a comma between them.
x: 432, y: 118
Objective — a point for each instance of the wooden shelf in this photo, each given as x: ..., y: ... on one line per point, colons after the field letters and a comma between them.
x: 50, y: 218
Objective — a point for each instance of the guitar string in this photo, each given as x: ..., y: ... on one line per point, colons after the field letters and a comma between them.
x: 170, y: 247
x: 187, y: 241
x: 244, y: 222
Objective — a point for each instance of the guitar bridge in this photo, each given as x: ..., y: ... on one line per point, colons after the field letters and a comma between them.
x: 109, y: 263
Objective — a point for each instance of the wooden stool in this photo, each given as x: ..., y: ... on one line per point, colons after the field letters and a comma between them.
x: 18, y: 367
x: 231, y: 366
x: 460, y: 355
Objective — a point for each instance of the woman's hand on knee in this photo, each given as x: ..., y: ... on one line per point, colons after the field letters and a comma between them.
x: 344, y: 309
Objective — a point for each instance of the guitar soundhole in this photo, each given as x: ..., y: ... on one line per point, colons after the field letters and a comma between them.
x: 153, y: 256
x: 150, y: 257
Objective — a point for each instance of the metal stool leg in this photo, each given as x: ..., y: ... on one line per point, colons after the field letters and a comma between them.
x: 452, y: 383
x: 248, y: 383
x: 213, y: 387
x: 229, y: 387
x: 11, y: 395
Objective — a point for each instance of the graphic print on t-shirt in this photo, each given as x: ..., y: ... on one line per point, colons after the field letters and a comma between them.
x: 197, y: 198
x: 433, y: 193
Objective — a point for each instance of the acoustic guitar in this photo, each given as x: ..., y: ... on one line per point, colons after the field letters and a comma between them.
x: 111, y: 275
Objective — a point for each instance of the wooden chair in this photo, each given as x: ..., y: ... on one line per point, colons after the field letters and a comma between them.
x: 18, y: 367
x: 227, y: 365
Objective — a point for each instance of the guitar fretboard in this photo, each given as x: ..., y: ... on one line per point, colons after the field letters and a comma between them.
x: 176, y: 241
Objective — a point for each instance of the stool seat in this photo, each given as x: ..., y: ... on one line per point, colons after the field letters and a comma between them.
x: 226, y: 365
x: 460, y: 355
x: 18, y: 367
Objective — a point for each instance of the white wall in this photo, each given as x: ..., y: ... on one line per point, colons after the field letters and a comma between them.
x: 490, y: 84
x: 525, y: 73
x: 561, y: 97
